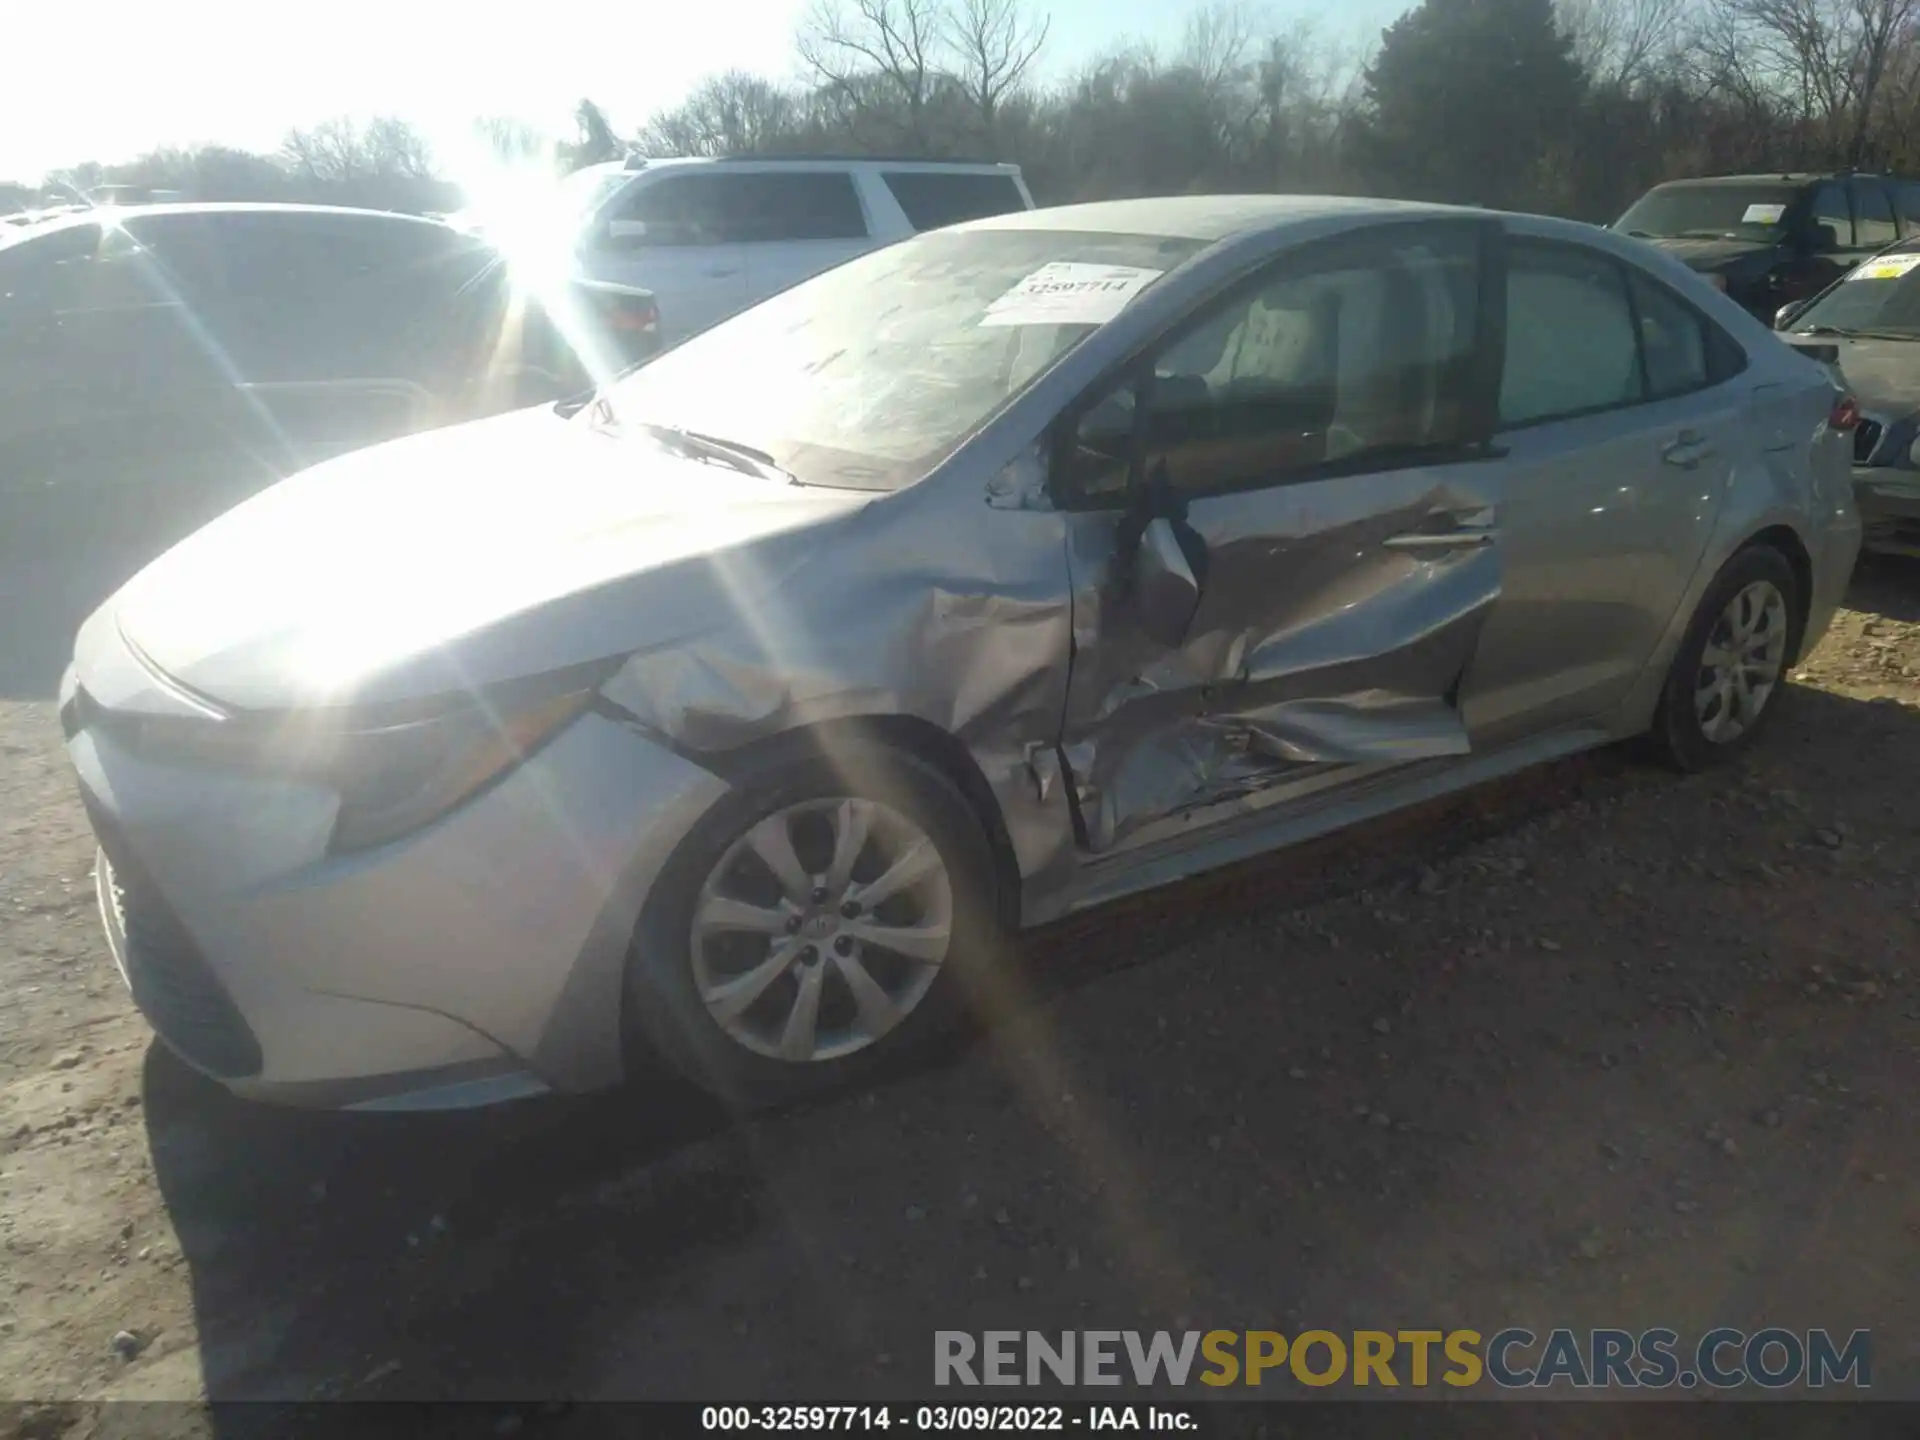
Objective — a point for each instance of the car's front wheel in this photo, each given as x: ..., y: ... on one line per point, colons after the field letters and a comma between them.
x: 829, y: 919
x: 1726, y: 678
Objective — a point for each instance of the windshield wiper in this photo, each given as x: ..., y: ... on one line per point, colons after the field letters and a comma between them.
x: 1860, y: 334
x: 695, y: 446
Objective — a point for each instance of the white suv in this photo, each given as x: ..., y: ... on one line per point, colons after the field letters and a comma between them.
x: 709, y: 237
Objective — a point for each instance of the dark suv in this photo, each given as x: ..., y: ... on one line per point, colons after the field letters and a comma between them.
x: 1769, y: 240
x: 159, y: 364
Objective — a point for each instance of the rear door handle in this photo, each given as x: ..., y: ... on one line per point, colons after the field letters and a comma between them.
x: 723, y: 272
x: 1463, y: 539
x: 1687, y: 450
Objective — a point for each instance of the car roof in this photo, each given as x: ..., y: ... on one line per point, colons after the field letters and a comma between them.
x: 91, y: 215
x: 1207, y: 218
x: 640, y: 164
x: 1775, y: 177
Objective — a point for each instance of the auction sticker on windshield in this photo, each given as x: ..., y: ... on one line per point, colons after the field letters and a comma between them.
x: 1070, y: 292
x: 1887, y: 267
x: 1763, y: 215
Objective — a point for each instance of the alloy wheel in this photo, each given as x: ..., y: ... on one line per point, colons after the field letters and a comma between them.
x: 821, y: 929
x: 1741, y: 665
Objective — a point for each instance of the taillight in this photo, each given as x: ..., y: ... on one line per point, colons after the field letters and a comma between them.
x: 637, y: 318
x: 1718, y: 282
x: 1845, y: 414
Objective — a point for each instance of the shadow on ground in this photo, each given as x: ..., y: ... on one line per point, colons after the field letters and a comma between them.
x: 515, y: 1255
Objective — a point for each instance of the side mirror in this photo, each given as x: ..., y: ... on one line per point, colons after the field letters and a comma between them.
x: 1166, y: 593
x: 1788, y: 313
x: 1824, y: 240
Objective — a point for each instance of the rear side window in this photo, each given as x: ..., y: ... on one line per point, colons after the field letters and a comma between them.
x: 763, y: 207
x: 1830, y: 210
x: 1873, y: 217
x: 1906, y: 199
x: 931, y: 199
x: 1639, y: 341
x: 740, y: 207
x: 1674, y: 341
x: 1570, y: 345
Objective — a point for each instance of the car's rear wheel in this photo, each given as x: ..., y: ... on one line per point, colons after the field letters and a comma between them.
x: 828, y: 921
x: 1726, y: 678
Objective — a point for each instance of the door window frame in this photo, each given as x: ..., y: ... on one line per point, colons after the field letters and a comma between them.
x: 1858, y: 186
x: 1136, y: 368
x: 1730, y: 353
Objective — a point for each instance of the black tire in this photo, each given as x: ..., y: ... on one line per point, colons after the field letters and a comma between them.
x: 664, y: 1010
x: 1677, y: 738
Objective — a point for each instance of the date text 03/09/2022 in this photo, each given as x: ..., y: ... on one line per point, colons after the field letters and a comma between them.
x: 939, y: 1419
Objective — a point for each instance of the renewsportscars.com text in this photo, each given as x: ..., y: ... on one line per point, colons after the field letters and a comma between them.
x: 1513, y: 1358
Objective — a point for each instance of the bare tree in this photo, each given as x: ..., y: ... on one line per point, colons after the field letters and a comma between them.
x: 858, y: 51
x: 994, y: 43
x: 1619, y: 42
x: 727, y: 114
x: 1827, y: 59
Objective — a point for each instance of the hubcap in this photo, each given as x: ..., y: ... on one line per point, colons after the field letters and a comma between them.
x: 1741, y: 665
x: 821, y: 929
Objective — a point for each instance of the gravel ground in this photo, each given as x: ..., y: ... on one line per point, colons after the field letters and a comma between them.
x: 1598, y: 1046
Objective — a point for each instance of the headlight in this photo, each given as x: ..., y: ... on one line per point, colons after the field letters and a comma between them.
x: 397, y: 778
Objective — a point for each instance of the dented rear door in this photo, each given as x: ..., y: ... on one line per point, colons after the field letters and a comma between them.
x: 1315, y: 441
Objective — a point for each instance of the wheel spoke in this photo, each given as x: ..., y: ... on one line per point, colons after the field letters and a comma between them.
x: 736, y: 996
x: 850, y: 823
x: 927, y: 943
x: 915, y: 864
x: 1716, y: 657
x: 797, y: 1038
x: 722, y: 912
x: 878, y: 1013
x: 773, y: 843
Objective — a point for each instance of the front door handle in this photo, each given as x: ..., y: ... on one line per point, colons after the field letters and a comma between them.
x: 1463, y: 539
x: 1687, y: 450
x: 723, y: 272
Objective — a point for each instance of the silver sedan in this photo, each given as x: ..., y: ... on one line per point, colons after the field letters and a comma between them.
x: 741, y: 711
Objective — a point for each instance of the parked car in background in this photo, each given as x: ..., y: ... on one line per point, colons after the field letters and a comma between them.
x: 740, y: 709
x: 1867, y: 327
x: 1768, y: 240
x: 710, y: 237
x: 159, y: 364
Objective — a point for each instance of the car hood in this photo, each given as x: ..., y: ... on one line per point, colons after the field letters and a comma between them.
x: 1709, y: 254
x: 458, y: 558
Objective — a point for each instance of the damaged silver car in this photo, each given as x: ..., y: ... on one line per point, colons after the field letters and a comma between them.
x: 740, y: 711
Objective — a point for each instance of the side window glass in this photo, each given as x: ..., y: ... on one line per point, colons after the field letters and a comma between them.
x: 1831, y: 214
x: 673, y: 211
x: 1673, y: 339
x: 1369, y: 353
x: 1906, y: 198
x: 801, y: 205
x: 1873, y: 221
x: 1103, y: 446
x: 1570, y: 335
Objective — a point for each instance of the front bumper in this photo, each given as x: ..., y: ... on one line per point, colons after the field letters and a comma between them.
x: 480, y: 959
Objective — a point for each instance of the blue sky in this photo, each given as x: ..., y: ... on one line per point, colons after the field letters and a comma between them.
x: 87, y: 82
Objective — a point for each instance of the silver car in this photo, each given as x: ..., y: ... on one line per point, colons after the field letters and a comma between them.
x: 741, y: 711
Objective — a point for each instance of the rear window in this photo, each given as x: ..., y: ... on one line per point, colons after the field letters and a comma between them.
x: 931, y: 199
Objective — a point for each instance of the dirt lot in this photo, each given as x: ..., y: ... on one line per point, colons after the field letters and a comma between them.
x: 1597, y: 1047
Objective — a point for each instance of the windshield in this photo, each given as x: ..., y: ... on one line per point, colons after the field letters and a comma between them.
x: 869, y: 375
x: 1881, y: 295
x: 1729, y: 212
